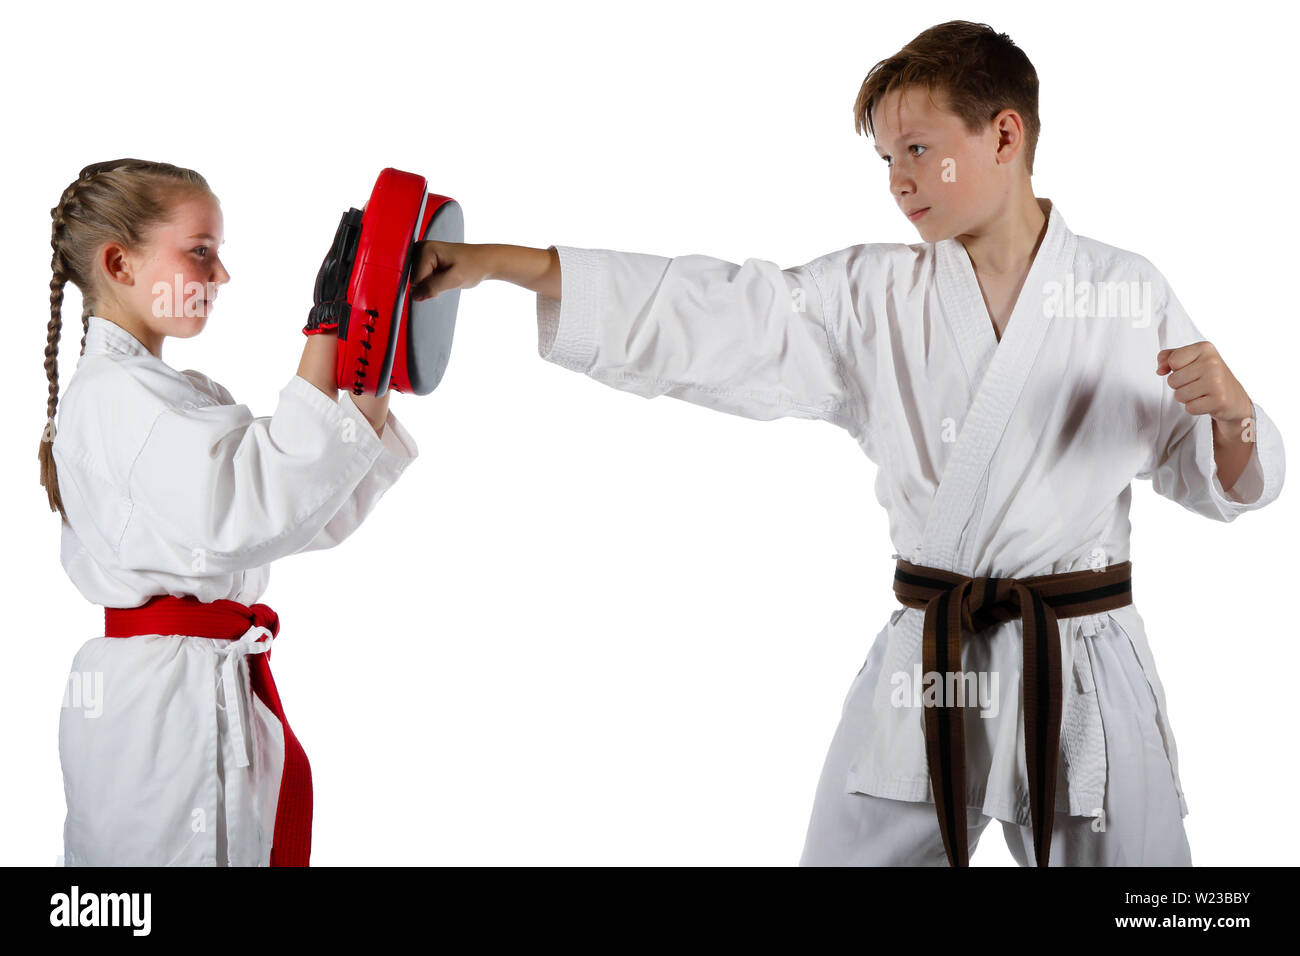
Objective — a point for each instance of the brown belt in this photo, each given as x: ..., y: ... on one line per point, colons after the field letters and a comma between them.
x: 953, y: 604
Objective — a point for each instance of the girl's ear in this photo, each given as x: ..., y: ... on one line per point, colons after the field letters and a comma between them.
x: 116, y: 263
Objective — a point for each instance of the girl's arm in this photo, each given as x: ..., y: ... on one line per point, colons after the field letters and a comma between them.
x: 375, y: 409
x: 319, y: 356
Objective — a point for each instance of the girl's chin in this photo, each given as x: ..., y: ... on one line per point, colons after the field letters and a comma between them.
x: 186, y: 325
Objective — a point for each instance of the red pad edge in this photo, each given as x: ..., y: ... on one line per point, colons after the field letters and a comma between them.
x: 392, y: 219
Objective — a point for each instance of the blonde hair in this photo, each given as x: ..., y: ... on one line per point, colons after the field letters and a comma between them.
x: 120, y: 201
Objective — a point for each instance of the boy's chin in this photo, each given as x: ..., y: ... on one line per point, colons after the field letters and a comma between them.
x: 935, y: 232
x: 928, y: 234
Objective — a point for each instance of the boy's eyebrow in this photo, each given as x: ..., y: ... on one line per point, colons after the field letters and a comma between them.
x: 903, y: 135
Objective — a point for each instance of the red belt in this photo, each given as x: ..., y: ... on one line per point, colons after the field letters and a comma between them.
x: 232, y: 621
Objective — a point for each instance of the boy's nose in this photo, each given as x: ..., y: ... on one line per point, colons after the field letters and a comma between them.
x: 899, y: 184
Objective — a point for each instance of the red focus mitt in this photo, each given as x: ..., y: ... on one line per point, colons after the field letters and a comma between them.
x: 384, y: 340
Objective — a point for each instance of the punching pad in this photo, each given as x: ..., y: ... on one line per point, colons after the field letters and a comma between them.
x: 384, y: 340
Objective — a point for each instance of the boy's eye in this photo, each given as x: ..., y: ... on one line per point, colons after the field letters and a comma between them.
x: 201, y: 249
x: 913, y: 146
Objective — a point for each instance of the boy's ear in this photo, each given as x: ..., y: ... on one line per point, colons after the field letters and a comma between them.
x: 1010, y: 130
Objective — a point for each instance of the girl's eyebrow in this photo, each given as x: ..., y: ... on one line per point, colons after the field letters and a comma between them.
x: 204, y: 235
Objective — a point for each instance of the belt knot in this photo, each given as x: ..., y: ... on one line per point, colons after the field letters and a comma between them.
x: 264, y: 616
x: 988, y: 601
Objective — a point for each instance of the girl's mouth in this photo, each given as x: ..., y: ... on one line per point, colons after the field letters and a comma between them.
x: 918, y: 214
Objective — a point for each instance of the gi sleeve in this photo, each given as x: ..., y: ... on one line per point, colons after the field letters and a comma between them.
x: 399, y: 449
x: 1182, y: 466
x: 751, y: 339
x: 216, y: 486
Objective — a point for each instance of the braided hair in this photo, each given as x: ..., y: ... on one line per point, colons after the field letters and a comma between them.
x: 119, y: 201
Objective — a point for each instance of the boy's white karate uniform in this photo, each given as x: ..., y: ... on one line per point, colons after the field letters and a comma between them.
x: 172, y: 488
x: 1010, y: 459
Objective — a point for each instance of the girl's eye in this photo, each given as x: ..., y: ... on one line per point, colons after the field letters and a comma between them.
x: 201, y: 249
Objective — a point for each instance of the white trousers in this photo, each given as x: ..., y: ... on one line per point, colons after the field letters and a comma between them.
x: 1143, y: 824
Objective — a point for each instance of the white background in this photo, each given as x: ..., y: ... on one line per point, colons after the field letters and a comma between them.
x: 588, y: 628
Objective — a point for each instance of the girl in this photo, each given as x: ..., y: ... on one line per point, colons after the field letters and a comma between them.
x: 175, y: 500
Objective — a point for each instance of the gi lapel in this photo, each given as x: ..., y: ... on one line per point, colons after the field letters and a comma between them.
x: 999, y: 371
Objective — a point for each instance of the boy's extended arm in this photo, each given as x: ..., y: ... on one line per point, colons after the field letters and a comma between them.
x: 534, y: 269
x: 749, y: 338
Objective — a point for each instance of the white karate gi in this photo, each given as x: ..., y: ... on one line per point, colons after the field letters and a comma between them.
x: 172, y: 488
x: 1010, y: 458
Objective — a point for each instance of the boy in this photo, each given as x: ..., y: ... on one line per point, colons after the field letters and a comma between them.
x: 1000, y: 374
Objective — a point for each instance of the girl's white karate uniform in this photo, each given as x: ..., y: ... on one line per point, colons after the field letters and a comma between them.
x: 893, y: 343
x: 172, y: 488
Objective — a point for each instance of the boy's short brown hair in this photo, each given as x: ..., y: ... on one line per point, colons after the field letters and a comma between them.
x: 980, y: 72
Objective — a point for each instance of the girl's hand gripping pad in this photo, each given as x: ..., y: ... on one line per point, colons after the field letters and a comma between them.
x: 384, y: 340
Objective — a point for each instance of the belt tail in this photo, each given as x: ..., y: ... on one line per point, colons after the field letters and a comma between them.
x: 1041, y: 689
x: 945, y: 731
x: 291, y: 841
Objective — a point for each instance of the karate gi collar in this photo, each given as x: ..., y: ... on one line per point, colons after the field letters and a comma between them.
x: 960, y: 290
x: 998, y: 371
x: 106, y: 337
